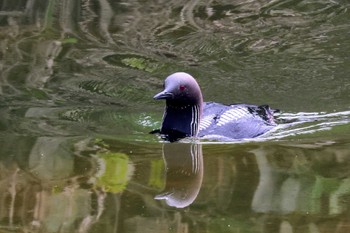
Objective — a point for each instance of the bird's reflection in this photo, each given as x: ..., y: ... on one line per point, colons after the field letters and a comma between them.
x: 184, y: 173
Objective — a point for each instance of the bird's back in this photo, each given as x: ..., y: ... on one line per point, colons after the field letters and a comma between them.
x: 237, y: 121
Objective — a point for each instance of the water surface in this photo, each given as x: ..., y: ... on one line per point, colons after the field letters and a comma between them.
x: 76, y: 85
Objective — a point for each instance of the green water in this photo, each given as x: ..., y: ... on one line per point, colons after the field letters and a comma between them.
x: 76, y: 85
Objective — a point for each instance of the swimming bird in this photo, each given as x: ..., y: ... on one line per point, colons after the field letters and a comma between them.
x: 186, y: 115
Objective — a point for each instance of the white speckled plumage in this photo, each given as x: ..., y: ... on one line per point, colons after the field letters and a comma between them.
x: 232, y: 115
x: 206, y: 121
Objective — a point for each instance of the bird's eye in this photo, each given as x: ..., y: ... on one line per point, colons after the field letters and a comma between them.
x: 182, y: 87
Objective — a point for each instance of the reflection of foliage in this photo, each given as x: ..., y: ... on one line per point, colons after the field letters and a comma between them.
x: 114, y: 171
x: 38, y: 94
x: 57, y: 189
x: 323, y: 187
x: 70, y: 40
x: 73, y: 205
x: 156, y: 178
x: 133, y: 61
x: 140, y: 64
x: 228, y: 224
x: 336, y: 203
x: 79, y: 115
x: 49, y: 14
x: 101, y: 143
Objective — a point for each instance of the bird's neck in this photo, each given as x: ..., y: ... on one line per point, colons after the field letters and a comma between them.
x: 181, y: 121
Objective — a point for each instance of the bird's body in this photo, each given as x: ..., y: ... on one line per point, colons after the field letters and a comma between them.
x: 186, y: 115
x: 236, y: 121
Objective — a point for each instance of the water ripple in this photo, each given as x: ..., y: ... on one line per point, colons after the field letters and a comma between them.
x: 294, y: 124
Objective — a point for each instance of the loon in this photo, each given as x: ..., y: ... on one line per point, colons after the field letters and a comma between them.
x: 186, y: 115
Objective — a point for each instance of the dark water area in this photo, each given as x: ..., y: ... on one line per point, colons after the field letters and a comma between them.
x: 76, y: 85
